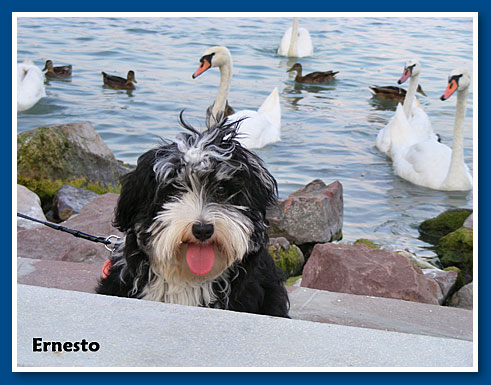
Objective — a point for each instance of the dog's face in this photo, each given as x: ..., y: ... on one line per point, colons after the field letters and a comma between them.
x: 196, y: 205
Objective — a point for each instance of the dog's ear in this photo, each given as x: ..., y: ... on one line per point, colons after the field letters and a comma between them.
x: 136, y: 260
x: 263, y: 182
x: 137, y: 193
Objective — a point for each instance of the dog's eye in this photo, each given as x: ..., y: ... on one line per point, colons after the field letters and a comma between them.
x: 221, y: 191
x: 225, y: 190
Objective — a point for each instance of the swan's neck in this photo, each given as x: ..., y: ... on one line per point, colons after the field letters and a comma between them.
x: 457, y: 166
x: 223, y: 89
x: 411, y: 91
x: 292, y: 50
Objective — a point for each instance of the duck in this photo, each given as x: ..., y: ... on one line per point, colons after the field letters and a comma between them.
x: 30, y: 85
x: 296, y: 42
x: 229, y: 110
x: 60, y: 72
x: 410, y: 123
x: 313, y: 77
x: 118, y: 82
x: 392, y: 92
x: 257, y: 128
x: 435, y: 165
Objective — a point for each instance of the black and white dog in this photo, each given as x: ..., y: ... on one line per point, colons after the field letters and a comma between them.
x: 193, y: 214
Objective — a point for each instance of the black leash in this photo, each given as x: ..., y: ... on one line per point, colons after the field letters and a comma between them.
x: 76, y: 233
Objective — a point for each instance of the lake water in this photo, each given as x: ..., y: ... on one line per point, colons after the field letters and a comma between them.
x: 328, y: 132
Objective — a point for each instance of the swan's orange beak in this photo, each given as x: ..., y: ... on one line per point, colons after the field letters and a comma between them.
x: 405, y: 75
x: 451, y: 88
x: 205, y: 64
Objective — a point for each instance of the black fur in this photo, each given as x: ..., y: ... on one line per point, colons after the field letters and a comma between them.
x: 231, y: 175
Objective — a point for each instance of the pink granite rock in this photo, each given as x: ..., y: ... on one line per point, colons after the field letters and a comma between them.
x: 46, y: 243
x: 59, y: 274
x: 358, y: 269
x: 313, y: 214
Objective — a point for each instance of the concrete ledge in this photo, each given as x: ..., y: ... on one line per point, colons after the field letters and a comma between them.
x: 306, y: 304
x: 381, y: 313
x: 137, y: 333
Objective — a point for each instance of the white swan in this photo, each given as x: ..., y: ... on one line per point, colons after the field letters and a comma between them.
x: 433, y: 164
x: 30, y: 85
x: 260, y: 127
x: 410, y: 124
x: 296, y: 42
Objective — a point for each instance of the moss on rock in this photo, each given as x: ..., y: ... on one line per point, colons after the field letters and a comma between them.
x: 371, y: 244
x: 290, y: 259
x: 433, y: 229
x: 41, y: 146
x: 46, y: 188
x: 73, y: 154
x: 292, y: 280
x: 456, y: 249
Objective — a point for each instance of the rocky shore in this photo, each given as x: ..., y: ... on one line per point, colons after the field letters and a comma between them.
x: 68, y: 175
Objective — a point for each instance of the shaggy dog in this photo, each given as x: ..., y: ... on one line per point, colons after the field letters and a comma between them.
x: 193, y: 214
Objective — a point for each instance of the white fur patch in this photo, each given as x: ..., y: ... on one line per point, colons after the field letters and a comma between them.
x: 172, y: 227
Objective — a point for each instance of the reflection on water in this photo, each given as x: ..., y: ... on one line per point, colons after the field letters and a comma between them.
x: 328, y: 131
x: 382, y: 104
x: 294, y: 93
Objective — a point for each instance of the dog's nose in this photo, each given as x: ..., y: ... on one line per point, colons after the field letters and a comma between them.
x: 203, y: 231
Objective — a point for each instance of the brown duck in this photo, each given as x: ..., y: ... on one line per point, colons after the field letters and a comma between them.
x: 392, y: 92
x: 57, y: 72
x: 118, y: 82
x: 228, y: 111
x: 314, y: 77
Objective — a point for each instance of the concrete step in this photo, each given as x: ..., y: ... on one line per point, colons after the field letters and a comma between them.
x: 306, y: 304
x: 381, y: 313
x: 137, y: 333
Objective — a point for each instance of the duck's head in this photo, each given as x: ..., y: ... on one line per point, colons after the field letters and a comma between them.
x: 412, y: 68
x: 131, y: 77
x: 213, y: 57
x: 458, y: 80
x: 48, y: 66
x: 296, y: 67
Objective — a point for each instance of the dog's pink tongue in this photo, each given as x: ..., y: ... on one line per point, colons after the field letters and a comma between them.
x: 200, y: 258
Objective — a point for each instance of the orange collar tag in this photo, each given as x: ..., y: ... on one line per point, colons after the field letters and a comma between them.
x: 106, y: 268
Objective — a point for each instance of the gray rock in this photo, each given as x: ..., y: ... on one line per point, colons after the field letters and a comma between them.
x: 358, y: 269
x: 74, y: 153
x: 28, y: 203
x: 446, y: 281
x: 463, y: 298
x: 70, y: 200
x: 95, y: 219
x: 313, y: 214
x: 417, y: 260
x: 468, y: 224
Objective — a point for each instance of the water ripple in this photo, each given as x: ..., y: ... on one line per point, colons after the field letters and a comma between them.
x: 328, y: 131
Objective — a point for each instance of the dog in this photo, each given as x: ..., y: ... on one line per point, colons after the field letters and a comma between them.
x: 193, y: 215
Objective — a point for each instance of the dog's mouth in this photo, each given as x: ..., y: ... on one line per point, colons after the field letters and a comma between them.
x: 200, y: 257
